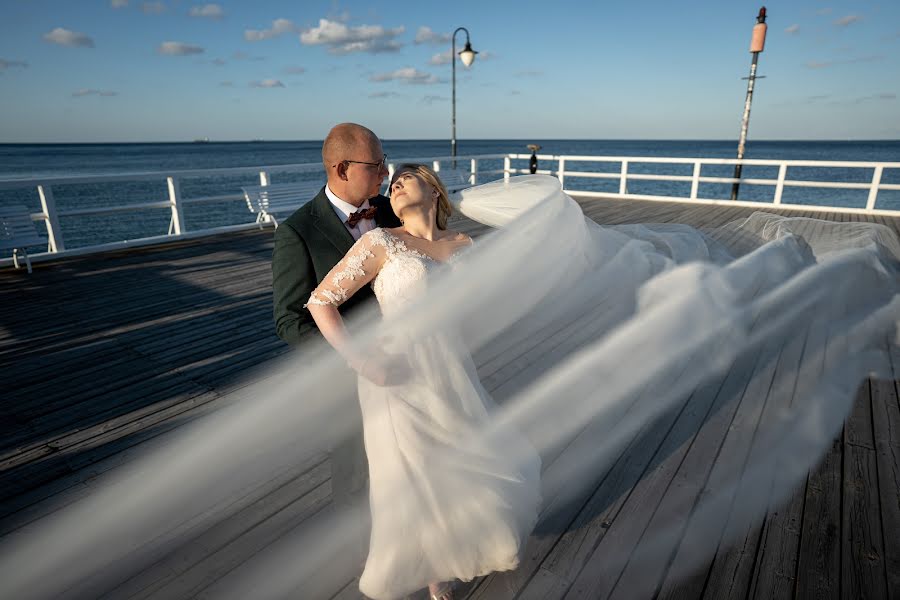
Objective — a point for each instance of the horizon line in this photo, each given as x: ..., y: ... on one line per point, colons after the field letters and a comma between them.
x: 294, y: 141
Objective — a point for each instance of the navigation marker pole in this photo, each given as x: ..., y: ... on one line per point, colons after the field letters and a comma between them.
x: 757, y: 44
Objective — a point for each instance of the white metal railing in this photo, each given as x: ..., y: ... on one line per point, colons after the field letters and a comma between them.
x: 175, y: 202
x: 623, y: 176
x: 560, y: 167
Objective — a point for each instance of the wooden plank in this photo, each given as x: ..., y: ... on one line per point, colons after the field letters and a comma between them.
x: 775, y: 571
x: 886, y: 422
x: 726, y: 576
x: 862, y: 556
x: 308, y: 491
x: 601, y: 574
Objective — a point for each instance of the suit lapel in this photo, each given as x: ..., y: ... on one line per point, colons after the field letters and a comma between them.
x: 327, y: 221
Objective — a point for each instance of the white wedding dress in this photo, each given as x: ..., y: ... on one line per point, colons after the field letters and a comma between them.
x: 446, y: 502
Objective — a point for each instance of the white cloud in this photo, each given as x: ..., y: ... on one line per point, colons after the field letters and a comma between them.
x: 279, y: 27
x: 426, y: 36
x: 92, y: 92
x: 179, y: 49
x: 792, y: 29
x: 65, y: 37
x: 5, y: 64
x: 407, y: 75
x: 442, y: 58
x: 207, y: 11
x: 844, y: 21
x: 292, y: 70
x: 267, y: 83
x: 341, y: 39
x: 118, y: 3
x: 849, y: 61
x: 384, y: 95
x: 153, y: 8
x: 244, y: 56
x: 885, y: 96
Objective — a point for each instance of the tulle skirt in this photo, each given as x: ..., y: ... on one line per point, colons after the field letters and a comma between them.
x: 447, y: 502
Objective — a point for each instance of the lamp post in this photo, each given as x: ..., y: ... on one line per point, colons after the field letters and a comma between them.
x: 757, y: 44
x: 467, y: 56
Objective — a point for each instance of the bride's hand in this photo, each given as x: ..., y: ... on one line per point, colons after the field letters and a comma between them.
x: 385, y: 369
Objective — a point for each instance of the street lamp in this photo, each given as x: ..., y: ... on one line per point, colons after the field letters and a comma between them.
x: 467, y: 56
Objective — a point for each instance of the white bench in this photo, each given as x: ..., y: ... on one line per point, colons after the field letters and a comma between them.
x: 455, y: 179
x: 17, y: 232
x: 269, y: 200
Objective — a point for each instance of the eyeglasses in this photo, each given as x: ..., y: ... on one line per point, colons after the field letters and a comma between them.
x: 380, y: 165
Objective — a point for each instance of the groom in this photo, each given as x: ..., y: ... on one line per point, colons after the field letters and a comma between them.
x: 308, y: 244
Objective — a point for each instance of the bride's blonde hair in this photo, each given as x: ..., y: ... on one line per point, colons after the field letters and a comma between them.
x: 444, y: 208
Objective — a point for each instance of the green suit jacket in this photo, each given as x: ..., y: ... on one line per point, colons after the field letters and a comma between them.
x: 307, y: 246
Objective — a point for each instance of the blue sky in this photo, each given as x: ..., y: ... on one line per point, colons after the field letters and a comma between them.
x: 129, y: 70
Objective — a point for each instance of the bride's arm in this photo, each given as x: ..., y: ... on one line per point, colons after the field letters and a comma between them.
x: 360, y: 266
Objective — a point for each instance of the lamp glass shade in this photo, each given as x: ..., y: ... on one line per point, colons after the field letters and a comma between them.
x: 467, y: 55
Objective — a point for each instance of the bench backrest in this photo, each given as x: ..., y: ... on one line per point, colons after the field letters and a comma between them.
x: 280, y: 197
x: 454, y: 179
x: 17, y: 230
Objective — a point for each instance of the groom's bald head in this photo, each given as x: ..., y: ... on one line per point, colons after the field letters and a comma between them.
x: 354, y: 162
x: 345, y: 141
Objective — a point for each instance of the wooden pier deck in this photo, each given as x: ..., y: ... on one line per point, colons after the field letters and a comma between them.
x: 102, y: 356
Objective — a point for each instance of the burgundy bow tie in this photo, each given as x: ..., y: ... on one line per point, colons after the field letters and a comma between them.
x: 354, y: 218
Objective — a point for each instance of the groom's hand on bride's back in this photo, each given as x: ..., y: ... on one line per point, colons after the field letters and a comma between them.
x: 386, y: 369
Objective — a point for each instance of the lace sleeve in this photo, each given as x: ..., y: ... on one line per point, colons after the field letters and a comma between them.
x: 358, y: 267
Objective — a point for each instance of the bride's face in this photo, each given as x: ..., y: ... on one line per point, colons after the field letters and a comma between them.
x: 410, y: 190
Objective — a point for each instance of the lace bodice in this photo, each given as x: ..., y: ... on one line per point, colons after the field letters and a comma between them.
x: 397, y: 272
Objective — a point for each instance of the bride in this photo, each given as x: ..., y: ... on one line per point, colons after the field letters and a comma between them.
x: 421, y: 398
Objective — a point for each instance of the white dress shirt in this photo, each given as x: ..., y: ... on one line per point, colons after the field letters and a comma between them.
x: 345, y: 209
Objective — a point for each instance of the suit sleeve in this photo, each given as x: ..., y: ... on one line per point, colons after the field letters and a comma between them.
x: 293, y: 280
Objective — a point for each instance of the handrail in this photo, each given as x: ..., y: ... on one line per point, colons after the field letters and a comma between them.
x: 713, y: 161
x: 560, y: 166
x: 151, y: 175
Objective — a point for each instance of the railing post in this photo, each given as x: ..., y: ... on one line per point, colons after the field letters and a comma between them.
x: 779, y: 186
x: 561, y: 172
x: 474, y: 178
x: 55, y: 241
x: 262, y: 216
x: 436, y: 165
x: 873, y: 191
x: 507, y: 166
x: 695, y: 181
x: 623, y: 178
x: 176, y: 225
